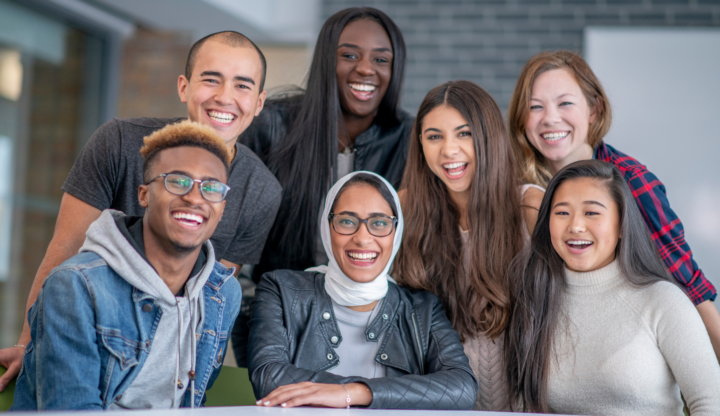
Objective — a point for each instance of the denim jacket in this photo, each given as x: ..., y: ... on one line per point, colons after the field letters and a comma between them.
x: 106, y: 334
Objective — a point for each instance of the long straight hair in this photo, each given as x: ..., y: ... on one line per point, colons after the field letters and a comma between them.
x: 532, y: 162
x: 537, y: 281
x: 304, y: 161
x: 431, y: 256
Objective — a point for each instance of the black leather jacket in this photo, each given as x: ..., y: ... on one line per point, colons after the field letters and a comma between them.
x: 292, y: 323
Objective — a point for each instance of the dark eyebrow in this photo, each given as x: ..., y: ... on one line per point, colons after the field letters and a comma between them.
x: 350, y: 45
x: 376, y: 214
x: 204, y: 178
x: 459, y: 127
x: 244, y: 79
x: 219, y: 75
x: 347, y: 213
x: 584, y: 202
x: 431, y: 129
x: 211, y: 74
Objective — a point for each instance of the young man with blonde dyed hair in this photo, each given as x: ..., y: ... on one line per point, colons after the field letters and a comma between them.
x: 223, y: 87
x: 140, y: 317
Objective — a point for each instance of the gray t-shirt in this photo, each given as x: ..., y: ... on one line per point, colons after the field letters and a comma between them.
x: 356, y: 352
x: 108, y: 172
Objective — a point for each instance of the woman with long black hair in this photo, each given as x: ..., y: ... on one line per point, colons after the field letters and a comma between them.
x: 598, y: 326
x: 347, y: 119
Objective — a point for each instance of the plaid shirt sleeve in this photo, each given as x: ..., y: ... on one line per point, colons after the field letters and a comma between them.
x: 665, y: 227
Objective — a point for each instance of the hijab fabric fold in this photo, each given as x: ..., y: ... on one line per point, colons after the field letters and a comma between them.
x: 343, y: 290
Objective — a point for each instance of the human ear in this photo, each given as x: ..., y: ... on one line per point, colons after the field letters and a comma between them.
x: 261, y: 102
x: 144, y: 195
x: 182, y: 88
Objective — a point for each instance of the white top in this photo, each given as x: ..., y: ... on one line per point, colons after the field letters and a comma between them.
x: 623, y: 350
x: 355, y: 351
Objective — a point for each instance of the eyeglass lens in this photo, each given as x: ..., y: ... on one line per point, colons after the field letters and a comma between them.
x: 379, y: 226
x: 178, y: 184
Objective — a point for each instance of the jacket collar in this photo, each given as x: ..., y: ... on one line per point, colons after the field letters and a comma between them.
x: 215, y: 281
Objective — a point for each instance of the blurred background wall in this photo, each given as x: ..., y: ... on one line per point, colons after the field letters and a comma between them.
x: 67, y: 66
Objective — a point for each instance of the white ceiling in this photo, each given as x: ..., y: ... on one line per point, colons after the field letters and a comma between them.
x: 263, y: 21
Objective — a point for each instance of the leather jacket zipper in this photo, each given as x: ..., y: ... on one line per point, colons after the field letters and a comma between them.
x: 417, y: 339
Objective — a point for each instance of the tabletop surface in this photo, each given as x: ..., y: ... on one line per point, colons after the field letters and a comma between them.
x: 277, y: 411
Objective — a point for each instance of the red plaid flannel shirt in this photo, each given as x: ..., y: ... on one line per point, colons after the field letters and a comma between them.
x: 665, y: 227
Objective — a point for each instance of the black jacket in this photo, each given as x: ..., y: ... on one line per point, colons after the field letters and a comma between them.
x: 380, y: 149
x: 292, y: 323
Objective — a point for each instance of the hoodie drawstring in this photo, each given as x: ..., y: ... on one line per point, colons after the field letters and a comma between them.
x: 193, y: 351
x: 176, y: 382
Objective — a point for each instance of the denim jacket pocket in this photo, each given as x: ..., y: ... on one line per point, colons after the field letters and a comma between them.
x: 125, y: 350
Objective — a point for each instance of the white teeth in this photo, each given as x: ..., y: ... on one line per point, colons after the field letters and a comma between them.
x: 454, y: 165
x: 552, y: 137
x: 579, y: 242
x: 225, y: 118
x: 362, y: 256
x: 186, y: 216
x: 363, y: 87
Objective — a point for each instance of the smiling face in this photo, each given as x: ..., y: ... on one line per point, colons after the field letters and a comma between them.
x: 180, y: 224
x: 559, y: 119
x: 448, y: 148
x: 224, y: 89
x: 361, y: 256
x: 364, y: 67
x: 584, y: 224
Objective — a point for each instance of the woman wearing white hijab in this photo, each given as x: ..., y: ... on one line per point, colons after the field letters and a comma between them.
x: 344, y: 334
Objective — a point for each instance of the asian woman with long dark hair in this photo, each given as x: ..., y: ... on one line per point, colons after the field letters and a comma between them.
x: 598, y: 326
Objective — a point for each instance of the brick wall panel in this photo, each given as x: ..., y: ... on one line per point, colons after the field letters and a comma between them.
x: 489, y: 41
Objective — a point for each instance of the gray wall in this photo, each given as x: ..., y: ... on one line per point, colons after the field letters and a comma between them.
x: 489, y: 41
x: 665, y: 114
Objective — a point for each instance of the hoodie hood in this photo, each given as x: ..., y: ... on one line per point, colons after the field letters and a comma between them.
x: 107, y: 241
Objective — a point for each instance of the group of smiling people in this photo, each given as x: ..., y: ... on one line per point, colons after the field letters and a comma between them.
x: 524, y: 268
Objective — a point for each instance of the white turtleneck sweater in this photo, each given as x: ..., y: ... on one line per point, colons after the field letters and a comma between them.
x: 622, y: 350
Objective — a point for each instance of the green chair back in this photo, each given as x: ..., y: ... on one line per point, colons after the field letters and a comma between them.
x: 6, y: 396
x: 231, y: 388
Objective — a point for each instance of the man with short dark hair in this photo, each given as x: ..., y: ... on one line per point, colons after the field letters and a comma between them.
x: 223, y: 89
x: 140, y: 317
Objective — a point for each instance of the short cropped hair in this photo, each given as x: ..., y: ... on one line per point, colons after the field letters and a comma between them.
x: 228, y: 37
x: 185, y: 133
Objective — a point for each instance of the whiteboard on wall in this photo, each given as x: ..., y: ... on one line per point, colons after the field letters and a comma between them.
x: 663, y: 85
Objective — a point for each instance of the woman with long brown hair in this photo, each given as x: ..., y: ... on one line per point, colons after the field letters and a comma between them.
x: 464, y: 222
x: 559, y: 114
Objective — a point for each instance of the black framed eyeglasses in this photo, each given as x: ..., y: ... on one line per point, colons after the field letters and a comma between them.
x: 349, y: 224
x: 180, y: 184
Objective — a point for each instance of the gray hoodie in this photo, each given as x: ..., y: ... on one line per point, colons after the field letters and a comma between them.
x: 164, y: 377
